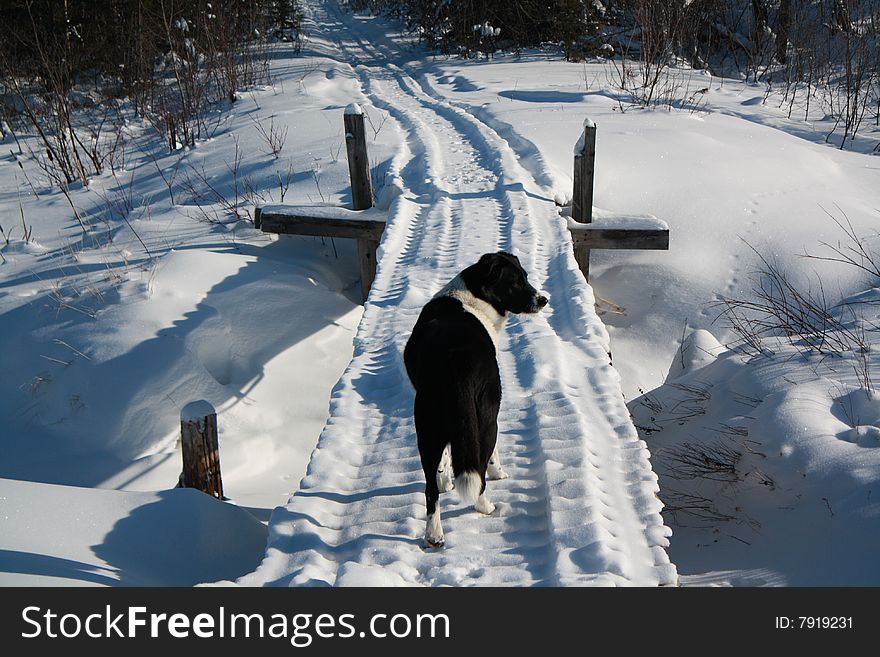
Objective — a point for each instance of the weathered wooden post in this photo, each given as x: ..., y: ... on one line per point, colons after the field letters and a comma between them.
x: 582, y: 198
x: 361, y: 188
x: 330, y: 221
x: 367, y: 257
x: 358, y: 163
x: 201, y: 449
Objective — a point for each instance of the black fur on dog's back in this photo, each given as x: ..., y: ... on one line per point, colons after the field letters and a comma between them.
x: 450, y: 359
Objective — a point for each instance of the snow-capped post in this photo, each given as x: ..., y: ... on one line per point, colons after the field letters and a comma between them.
x: 201, y: 449
x: 607, y: 231
x: 582, y: 198
x: 361, y: 188
x: 358, y: 162
x: 361, y: 222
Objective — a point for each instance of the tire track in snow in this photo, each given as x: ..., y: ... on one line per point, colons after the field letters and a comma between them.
x: 579, y: 506
x: 624, y: 445
x: 531, y: 532
x: 613, y: 452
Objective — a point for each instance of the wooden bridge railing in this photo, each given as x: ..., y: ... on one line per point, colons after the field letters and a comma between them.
x: 366, y: 226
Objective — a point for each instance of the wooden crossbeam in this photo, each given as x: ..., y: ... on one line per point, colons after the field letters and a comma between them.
x: 589, y: 227
x: 590, y: 236
x: 587, y: 233
x: 359, y: 223
x: 366, y: 226
x: 311, y: 220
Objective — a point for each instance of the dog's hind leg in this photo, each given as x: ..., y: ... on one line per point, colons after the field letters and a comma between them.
x: 495, y: 470
x: 483, y: 505
x: 489, y: 462
x: 431, y: 453
x: 433, y: 529
x: 430, y: 436
x: 445, y: 481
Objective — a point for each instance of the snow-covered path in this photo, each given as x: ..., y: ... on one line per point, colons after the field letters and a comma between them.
x: 580, y: 504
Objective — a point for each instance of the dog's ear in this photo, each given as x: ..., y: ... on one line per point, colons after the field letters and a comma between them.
x: 483, y: 277
x: 508, y: 256
x: 504, y: 259
x: 490, y: 267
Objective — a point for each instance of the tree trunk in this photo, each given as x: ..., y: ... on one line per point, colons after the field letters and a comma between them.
x: 783, y: 25
x: 759, y: 23
x: 841, y: 15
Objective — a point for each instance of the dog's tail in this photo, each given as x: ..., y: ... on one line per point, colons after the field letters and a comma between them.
x: 469, y: 485
x: 465, y: 445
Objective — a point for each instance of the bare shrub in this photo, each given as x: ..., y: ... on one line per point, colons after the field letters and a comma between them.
x: 855, y: 251
x: 716, y: 461
x: 810, y: 54
x: 273, y: 136
x: 696, y: 507
x: 172, y: 60
x: 780, y: 308
x: 804, y: 318
x: 219, y: 204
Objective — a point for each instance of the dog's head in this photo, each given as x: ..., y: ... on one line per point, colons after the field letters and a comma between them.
x: 499, y: 279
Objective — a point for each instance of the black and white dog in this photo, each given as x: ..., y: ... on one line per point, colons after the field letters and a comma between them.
x: 450, y: 359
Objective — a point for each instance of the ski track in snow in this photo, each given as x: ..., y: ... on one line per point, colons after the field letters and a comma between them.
x: 580, y: 505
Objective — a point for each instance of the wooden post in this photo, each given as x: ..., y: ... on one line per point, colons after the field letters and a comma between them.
x: 367, y: 256
x: 201, y: 449
x: 582, y: 198
x: 361, y: 188
x: 358, y: 163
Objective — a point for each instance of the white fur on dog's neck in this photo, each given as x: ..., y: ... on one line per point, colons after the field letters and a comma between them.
x: 482, y: 310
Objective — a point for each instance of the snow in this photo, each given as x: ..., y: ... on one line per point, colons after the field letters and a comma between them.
x: 800, y: 503
x: 67, y: 536
x: 581, y: 501
x: 733, y: 175
x: 325, y: 212
x: 196, y: 411
x: 696, y: 350
x: 486, y: 30
x: 107, y: 341
x: 603, y: 220
x: 579, y: 144
x: 353, y: 109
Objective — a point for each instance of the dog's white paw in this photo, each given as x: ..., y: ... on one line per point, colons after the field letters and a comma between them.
x: 483, y: 505
x: 496, y: 472
x: 433, y: 543
x: 433, y: 531
x: 445, y: 483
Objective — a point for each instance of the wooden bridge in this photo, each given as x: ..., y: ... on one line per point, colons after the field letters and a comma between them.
x: 580, y: 506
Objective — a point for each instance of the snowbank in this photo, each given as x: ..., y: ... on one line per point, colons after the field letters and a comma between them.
x: 171, y: 297
x: 66, y: 536
x: 769, y: 463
